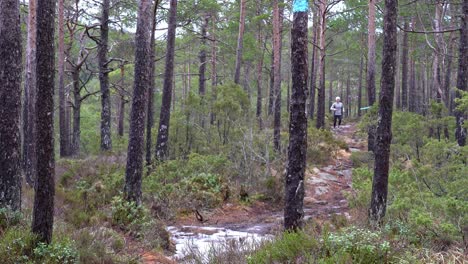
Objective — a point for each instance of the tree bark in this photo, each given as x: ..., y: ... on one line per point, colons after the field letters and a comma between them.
x: 165, y: 113
x: 260, y: 43
x: 76, y: 111
x: 313, y: 64
x: 202, y: 67
x: 404, y: 69
x: 412, y: 86
x: 106, y: 141
x: 348, y: 95
x: 143, y: 58
x: 277, y: 44
x: 361, y: 69
x: 321, y: 91
x: 63, y: 121
x: 371, y: 70
x: 122, y: 102
x: 297, y: 152
x: 214, y: 73
x: 462, y: 76
x: 240, y: 41
x: 384, y: 125
x: 10, y: 106
x: 43, y: 211
x: 152, y: 67
x: 29, y: 134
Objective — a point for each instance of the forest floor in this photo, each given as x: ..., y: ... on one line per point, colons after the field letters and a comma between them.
x: 325, y: 189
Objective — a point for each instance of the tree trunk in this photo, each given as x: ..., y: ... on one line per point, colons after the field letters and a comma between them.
x: 63, y: 126
x: 361, y: 69
x: 106, y: 142
x: 404, y: 69
x: 277, y: 44
x: 294, y: 183
x: 143, y: 58
x: 10, y: 107
x: 384, y: 125
x: 260, y: 43
x: 202, y: 68
x: 122, y: 102
x: 152, y: 66
x: 412, y: 86
x: 462, y: 77
x: 76, y: 112
x: 165, y: 113
x: 313, y: 64
x: 448, y: 73
x: 348, y: 95
x: 43, y: 211
x: 371, y: 70
x: 240, y: 41
x: 214, y: 74
x: 321, y: 91
x: 397, y: 76
x: 29, y: 134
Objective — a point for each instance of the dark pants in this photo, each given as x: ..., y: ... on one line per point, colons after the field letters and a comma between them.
x: 336, y: 117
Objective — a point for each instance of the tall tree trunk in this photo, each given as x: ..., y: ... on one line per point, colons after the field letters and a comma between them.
x: 106, y: 141
x: 165, y: 113
x: 412, y: 86
x: 321, y: 91
x: 384, y: 125
x: 361, y: 69
x: 294, y: 183
x: 462, y: 77
x: 260, y: 43
x: 240, y: 41
x: 76, y: 112
x: 214, y: 73
x: 277, y: 44
x: 397, y: 76
x: 150, y: 110
x: 122, y: 102
x: 143, y: 58
x: 271, y: 97
x: 348, y: 95
x: 64, y: 126
x: 371, y: 70
x: 439, y: 40
x: 29, y: 134
x: 10, y: 106
x: 313, y: 64
x: 202, y: 67
x: 404, y: 69
x: 448, y: 73
x: 43, y: 211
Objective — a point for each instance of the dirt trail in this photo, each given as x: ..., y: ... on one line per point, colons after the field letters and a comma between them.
x: 324, y: 187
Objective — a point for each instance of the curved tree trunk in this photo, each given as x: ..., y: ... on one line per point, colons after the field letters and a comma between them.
x: 106, y: 141
x: 165, y: 114
x: 384, y: 126
x: 134, y: 169
x: 43, y: 211
x: 294, y: 182
x: 10, y: 106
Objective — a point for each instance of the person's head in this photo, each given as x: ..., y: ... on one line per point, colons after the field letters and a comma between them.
x: 338, y: 99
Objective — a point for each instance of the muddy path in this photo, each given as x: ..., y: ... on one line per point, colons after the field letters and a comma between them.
x: 324, y: 198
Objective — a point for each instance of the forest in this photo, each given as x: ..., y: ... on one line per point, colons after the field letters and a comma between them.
x: 233, y: 131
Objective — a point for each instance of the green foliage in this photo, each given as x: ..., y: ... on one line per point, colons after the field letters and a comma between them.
x: 200, y: 181
x: 56, y: 253
x: 126, y: 214
x: 9, y: 218
x: 286, y: 249
x: 16, y: 246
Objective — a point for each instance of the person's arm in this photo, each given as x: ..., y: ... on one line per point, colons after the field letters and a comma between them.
x: 333, y: 107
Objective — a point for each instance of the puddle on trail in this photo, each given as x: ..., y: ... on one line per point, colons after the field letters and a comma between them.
x: 202, y: 239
